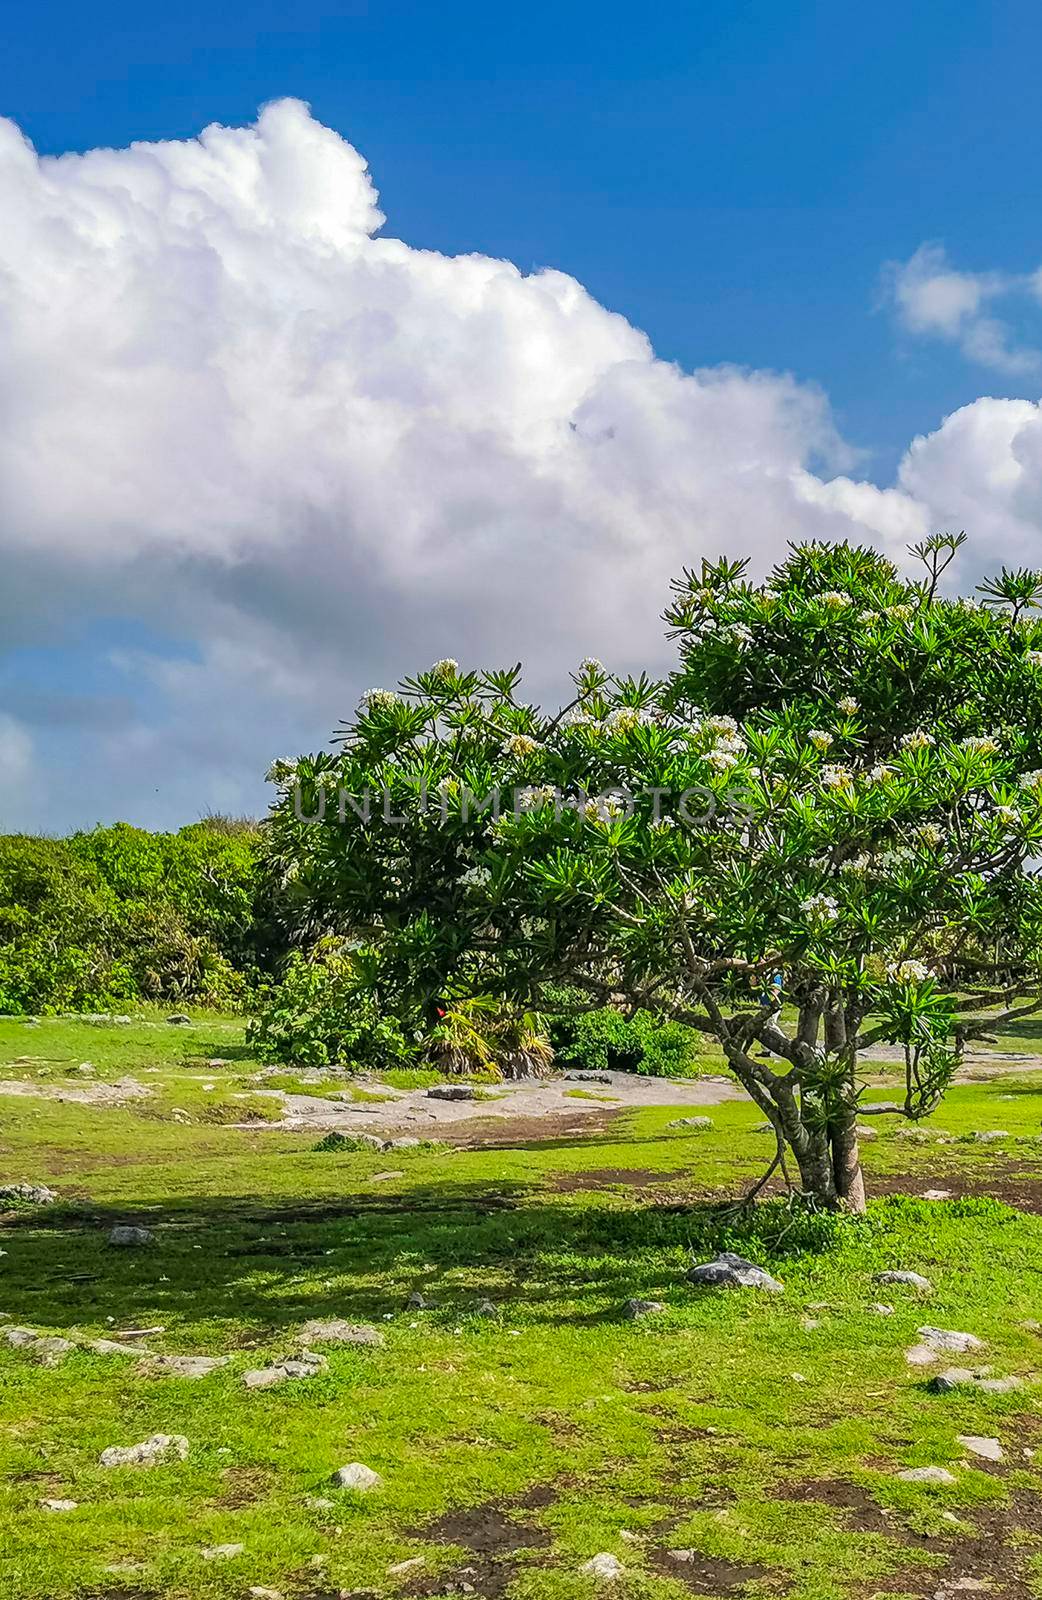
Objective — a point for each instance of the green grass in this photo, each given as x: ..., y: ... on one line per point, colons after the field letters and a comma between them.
x: 682, y: 1429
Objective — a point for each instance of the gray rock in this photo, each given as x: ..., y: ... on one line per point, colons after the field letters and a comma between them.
x: 880, y: 1309
x: 356, y: 1476
x: 185, y: 1366
x: 222, y: 1552
x: 406, y: 1142
x: 126, y: 1237
x: 489, y: 1309
x: 179, y: 1020
x: 587, y: 1077
x: 958, y: 1377
x: 110, y: 1347
x: 306, y: 1365
x: 58, y: 1505
x: 987, y: 1449
x: 605, y: 1567
x: 29, y: 1194
x: 452, y: 1091
x: 336, y: 1331
x: 419, y: 1302
x: 47, y: 1349
x: 151, y: 1452
x: 949, y: 1340
x: 633, y: 1309
x: 914, y: 1280
x: 729, y: 1271
x: 927, y: 1475
x: 691, y: 1122
x: 990, y: 1136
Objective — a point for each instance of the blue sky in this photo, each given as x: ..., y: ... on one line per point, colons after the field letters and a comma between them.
x: 731, y: 178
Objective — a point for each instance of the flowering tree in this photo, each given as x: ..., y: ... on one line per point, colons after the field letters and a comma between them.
x: 836, y: 792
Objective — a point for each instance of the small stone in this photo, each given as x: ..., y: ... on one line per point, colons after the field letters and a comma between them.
x: 926, y: 1475
x: 305, y: 1366
x: 179, y: 1020
x: 452, y: 1091
x: 489, y: 1309
x: 990, y: 1136
x: 879, y: 1309
x: 124, y: 1236
x: 808, y: 1324
x: 866, y: 1135
x: 950, y: 1340
x: 29, y: 1194
x: 385, y: 1177
x: 987, y: 1449
x: 161, y: 1447
x: 399, y: 1568
x: 58, y: 1505
x: 729, y: 1271
x: 604, y: 1567
x: 937, y: 1194
x: 419, y: 1302
x: 318, y: 1502
x: 1031, y: 1326
x: 914, y: 1280
x: 642, y: 1308
x: 406, y: 1142
x: 110, y: 1347
x: 691, y: 1122
x: 356, y: 1476
x: 185, y: 1366
x: 587, y: 1077
x: 222, y: 1552
x: 337, y: 1331
x: 257, y: 1591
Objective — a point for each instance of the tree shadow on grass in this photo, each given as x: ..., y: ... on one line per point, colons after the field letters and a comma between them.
x: 262, y: 1267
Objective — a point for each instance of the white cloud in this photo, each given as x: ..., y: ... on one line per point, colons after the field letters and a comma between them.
x: 931, y: 298
x: 320, y: 457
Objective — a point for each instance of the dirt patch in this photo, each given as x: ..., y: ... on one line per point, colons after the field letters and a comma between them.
x: 242, y: 1486
x: 705, y: 1574
x: 486, y: 1530
x: 1017, y: 1183
x: 491, y: 1537
x: 995, y: 1557
x: 863, y: 1515
x: 610, y: 1178
x: 83, y: 1094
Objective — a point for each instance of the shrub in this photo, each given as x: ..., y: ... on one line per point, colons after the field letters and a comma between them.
x: 605, y: 1038
x: 316, y: 1016
x: 105, y: 919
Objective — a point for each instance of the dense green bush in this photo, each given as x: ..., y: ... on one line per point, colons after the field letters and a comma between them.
x: 316, y: 1016
x: 605, y: 1038
x: 117, y: 916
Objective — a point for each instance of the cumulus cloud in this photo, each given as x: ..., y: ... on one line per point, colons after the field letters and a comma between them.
x: 932, y: 298
x: 313, y: 457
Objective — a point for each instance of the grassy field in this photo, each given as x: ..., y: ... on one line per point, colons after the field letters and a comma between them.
x: 762, y: 1434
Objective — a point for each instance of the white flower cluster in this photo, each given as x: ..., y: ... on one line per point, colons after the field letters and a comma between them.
x: 836, y: 777
x: 877, y: 774
x: 900, y: 613
x: 378, y: 700
x: 820, y: 907
x: 835, y: 600
x: 1031, y: 780
x: 1033, y: 658
x: 908, y: 972
x: 591, y: 664
x: 476, y: 877
x: 520, y: 744
x: 928, y: 833
x: 624, y: 719
x: 857, y: 866
x: 982, y: 744
x: 537, y: 795
x: 738, y: 634
x: 919, y: 740
x: 819, y: 738
x: 848, y: 705
x: 282, y: 771
x: 446, y: 669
